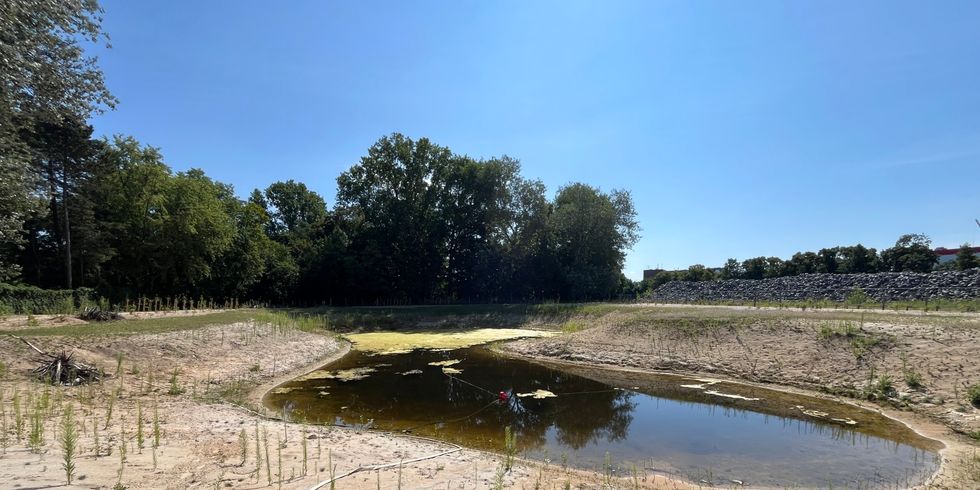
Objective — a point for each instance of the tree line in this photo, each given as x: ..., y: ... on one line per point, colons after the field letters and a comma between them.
x: 413, y: 222
x: 911, y: 253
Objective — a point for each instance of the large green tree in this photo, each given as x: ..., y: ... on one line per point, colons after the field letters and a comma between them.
x: 699, y: 272
x: 530, y: 269
x: 399, y: 194
x: 197, y: 231
x: 857, y: 259
x: 803, y: 263
x: 45, y: 77
x: 493, y: 220
x: 732, y: 269
x: 293, y: 209
x: 775, y: 267
x: 303, y: 262
x: 16, y: 200
x: 421, y: 223
x: 911, y: 253
x: 827, y: 260
x: 592, y: 232
x: 64, y: 156
x: 168, y: 230
x: 754, y: 268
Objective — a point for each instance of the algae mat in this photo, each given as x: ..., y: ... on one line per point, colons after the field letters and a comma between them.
x: 403, y: 342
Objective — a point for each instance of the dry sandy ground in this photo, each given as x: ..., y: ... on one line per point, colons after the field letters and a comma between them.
x: 202, y: 430
x: 804, y: 350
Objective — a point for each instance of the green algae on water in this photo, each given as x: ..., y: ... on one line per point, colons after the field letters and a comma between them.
x: 404, y: 342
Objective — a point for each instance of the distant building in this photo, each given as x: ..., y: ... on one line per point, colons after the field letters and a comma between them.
x: 651, y: 273
x: 945, y: 255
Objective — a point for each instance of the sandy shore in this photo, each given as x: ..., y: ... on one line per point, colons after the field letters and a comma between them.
x: 208, y: 415
x: 827, y: 354
x: 211, y: 410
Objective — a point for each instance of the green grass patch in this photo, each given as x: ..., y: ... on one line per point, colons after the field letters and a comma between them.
x: 143, y: 326
x: 573, y: 326
x: 861, y: 342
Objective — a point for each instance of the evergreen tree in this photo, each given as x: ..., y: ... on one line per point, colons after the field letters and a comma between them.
x: 46, y: 79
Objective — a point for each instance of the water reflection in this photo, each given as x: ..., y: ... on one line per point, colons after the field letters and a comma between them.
x: 648, y: 421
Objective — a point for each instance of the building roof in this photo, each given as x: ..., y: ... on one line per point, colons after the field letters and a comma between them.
x: 953, y: 251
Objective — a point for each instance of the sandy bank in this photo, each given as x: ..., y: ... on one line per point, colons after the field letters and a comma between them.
x: 206, y: 418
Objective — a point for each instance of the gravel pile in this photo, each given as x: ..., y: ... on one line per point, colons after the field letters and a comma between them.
x: 883, y: 286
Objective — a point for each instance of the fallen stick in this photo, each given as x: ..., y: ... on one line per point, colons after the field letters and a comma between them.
x: 32, y: 346
x: 375, y: 467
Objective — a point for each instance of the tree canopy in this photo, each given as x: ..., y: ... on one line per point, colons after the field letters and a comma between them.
x: 413, y: 222
x: 912, y: 252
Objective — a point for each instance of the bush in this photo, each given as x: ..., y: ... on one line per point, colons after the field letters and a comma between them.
x: 973, y: 394
x: 857, y: 297
x: 913, y: 379
x: 30, y: 300
x: 884, y: 385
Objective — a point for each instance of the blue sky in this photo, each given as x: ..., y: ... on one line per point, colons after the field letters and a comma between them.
x: 741, y: 128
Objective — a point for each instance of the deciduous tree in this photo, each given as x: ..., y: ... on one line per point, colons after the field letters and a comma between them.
x: 592, y: 230
x: 966, y: 258
x: 912, y: 252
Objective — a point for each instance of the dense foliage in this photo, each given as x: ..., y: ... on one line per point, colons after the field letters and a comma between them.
x: 413, y: 223
x: 29, y: 299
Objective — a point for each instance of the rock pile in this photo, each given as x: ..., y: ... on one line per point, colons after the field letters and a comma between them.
x: 885, y: 286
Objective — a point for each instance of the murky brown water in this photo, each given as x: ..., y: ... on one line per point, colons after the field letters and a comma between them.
x: 612, y: 421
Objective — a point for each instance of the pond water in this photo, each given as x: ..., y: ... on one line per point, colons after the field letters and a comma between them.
x: 697, y: 429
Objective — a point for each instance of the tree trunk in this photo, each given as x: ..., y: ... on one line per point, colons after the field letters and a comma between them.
x: 64, y: 205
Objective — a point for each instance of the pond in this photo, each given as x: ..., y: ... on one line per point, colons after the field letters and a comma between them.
x: 701, y: 430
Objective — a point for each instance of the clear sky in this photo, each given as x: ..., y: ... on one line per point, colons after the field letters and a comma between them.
x: 741, y: 128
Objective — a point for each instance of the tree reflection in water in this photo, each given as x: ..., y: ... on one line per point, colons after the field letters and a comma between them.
x: 681, y: 428
x: 434, y: 403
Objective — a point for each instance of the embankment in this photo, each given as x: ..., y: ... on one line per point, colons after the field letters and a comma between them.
x: 885, y: 286
x: 915, y: 368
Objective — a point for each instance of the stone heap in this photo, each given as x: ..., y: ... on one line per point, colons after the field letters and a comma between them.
x: 884, y: 286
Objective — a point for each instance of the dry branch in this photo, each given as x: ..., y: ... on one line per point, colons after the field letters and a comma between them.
x: 61, y: 368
